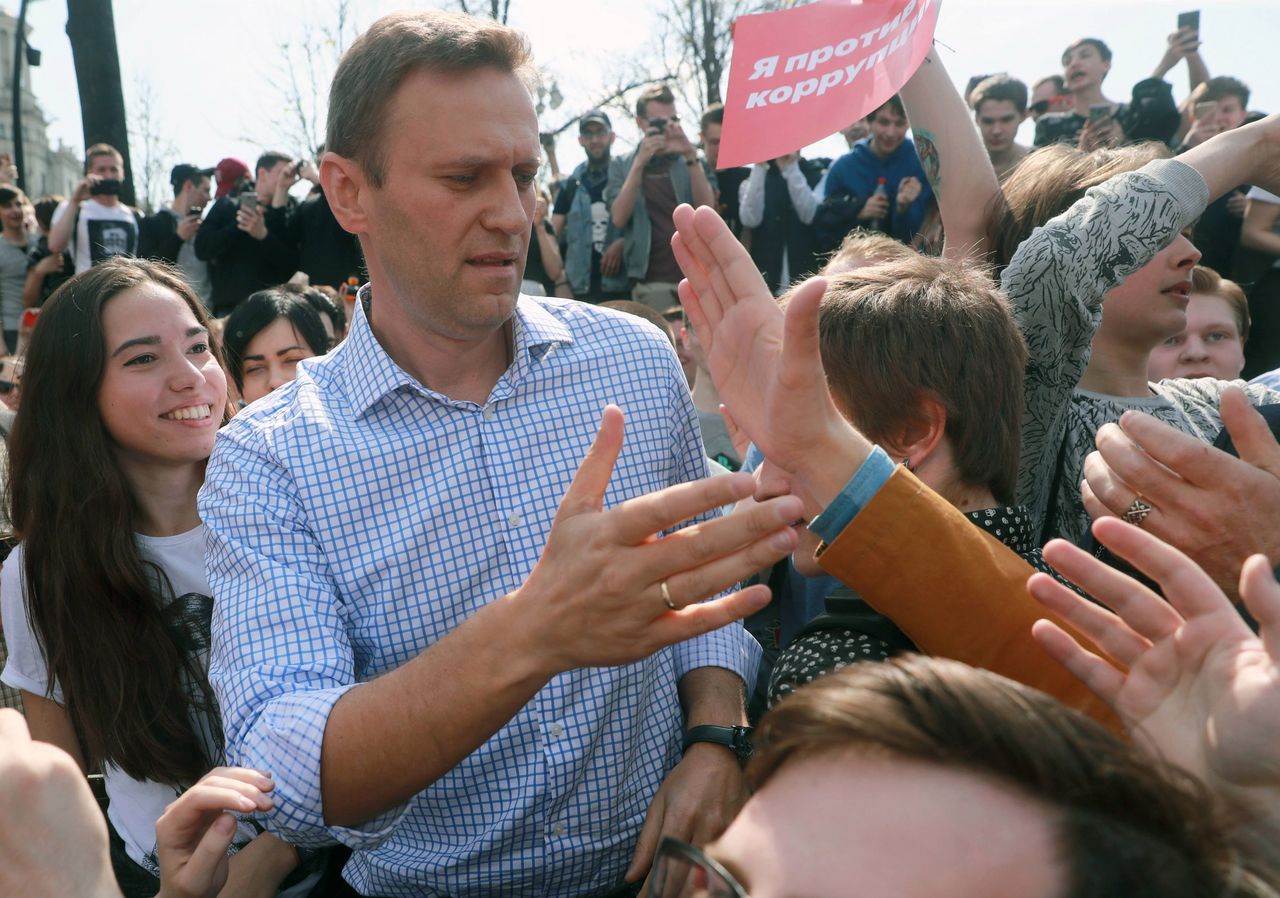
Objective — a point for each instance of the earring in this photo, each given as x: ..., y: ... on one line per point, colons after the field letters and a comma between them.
x: 906, y: 463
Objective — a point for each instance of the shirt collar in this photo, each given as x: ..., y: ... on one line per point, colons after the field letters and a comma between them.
x: 372, y: 375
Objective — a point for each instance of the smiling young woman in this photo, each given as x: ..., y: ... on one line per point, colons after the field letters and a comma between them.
x: 105, y: 602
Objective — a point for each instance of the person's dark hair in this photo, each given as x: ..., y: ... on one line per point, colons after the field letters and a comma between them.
x: 100, y: 149
x: 11, y: 194
x: 1103, y: 50
x: 894, y: 333
x: 396, y: 45
x: 93, y: 602
x: 269, y: 159
x: 45, y: 207
x: 714, y: 115
x: 1049, y: 182
x: 325, y: 301
x: 1220, y: 88
x: 999, y: 87
x: 654, y: 93
x: 1126, y: 822
x: 893, y: 104
x: 257, y: 312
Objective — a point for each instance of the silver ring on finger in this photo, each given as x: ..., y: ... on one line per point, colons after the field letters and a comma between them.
x: 666, y: 596
x: 1137, y: 511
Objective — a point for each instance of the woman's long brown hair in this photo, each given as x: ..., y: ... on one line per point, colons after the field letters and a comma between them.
x: 93, y: 602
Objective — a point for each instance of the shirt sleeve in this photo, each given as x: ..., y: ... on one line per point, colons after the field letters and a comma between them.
x: 1056, y: 282
x: 281, y: 656
x: 751, y: 200
x: 25, y: 668
x: 801, y: 194
x: 731, y: 646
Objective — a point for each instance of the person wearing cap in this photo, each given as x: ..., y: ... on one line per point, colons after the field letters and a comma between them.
x: 169, y: 235
x: 592, y: 243
x: 644, y: 189
x: 242, y: 239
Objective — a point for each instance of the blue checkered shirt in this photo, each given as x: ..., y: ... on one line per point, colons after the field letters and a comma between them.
x: 355, y: 517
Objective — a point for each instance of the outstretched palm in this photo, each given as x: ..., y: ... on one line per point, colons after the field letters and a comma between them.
x: 765, y: 364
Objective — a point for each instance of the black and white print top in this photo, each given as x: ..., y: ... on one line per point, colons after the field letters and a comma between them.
x: 1056, y: 282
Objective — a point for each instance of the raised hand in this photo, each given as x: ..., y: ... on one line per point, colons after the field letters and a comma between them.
x: 1201, y: 690
x: 766, y: 364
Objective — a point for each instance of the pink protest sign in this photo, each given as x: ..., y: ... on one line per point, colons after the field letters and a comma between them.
x: 802, y: 74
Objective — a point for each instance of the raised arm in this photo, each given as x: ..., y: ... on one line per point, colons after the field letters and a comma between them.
x: 953, y: 158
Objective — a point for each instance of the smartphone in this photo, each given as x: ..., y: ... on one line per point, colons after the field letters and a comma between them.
x: 249, y: 201
x: 658, y: 125
x: 1189, y: 20
x: 1206, y: 109
x: 1099, y: 111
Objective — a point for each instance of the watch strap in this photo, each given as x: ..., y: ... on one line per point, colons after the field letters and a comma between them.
x: 737, y: 739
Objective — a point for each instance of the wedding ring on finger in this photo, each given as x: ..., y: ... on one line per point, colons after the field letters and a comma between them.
x: 1137, y: 511
x: 666, y: 596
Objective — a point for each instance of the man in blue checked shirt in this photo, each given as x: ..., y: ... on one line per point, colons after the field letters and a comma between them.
x: 479, y: 692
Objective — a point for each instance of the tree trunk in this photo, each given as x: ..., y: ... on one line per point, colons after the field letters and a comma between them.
x: 92, y: 31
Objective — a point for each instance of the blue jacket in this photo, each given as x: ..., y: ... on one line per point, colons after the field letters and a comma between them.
x: 857, y: 172
x: 578, y: 243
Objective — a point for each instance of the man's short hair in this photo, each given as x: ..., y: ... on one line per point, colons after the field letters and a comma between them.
x: 1206, y: 280
x: 1059, y: 84
x: 1220, y: 88
x: 654, y: 93
x: 45, y: 207
x: 714, y: 115
x: 183, y: 172
x: 1127, y: 823
x: 270, y: 159
x: 870, y: 246
x: 1103, y: 50
x: 893, y: 104
x: 920, y: 327
x: 999, y: 87
x: 100, y: 149
x: 395, y: 46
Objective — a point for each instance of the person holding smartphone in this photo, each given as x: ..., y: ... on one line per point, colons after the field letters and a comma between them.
x: 169, y: 235
x: 242, y: 235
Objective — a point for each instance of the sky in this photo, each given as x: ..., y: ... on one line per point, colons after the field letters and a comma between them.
x: 215, y: 71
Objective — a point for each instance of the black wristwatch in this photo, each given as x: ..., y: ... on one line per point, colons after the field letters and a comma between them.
x: 736, y: 739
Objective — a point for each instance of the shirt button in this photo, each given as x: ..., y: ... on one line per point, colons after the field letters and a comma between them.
x: 558, y: 829
x: 488, y: 412
x: 514, y: 519
x: 556, y: 730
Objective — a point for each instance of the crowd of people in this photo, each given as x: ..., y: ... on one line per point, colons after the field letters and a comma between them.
x: 664, y: 530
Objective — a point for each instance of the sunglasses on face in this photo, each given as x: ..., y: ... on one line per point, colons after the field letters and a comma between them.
x: 681, y: 870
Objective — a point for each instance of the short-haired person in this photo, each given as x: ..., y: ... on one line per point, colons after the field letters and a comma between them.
x: 266, y: 336
x: 999, y: 106
x: 1049, y: 94
x: 242, y: 237
x: 169, y: 234
x: 644, y: 189
x: 1212, y: 344
x: 449, y: 649
x: 46, y: 271
x: 1222, y: 104
x: 16, y: 245
x: 1150, y: 115
x: 592, y: 243
x: 885, y: 159
x: 728, y: 180
x: 1012, y: 793
x: 92, y: 224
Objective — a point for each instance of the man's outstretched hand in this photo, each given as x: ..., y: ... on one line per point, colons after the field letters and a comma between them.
x: 765, y: 363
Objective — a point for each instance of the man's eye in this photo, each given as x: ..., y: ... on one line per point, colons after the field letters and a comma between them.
x: 1173, y: 341
x: 462, y: 179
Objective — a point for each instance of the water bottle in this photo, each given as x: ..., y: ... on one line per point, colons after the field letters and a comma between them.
x: 877, y: 224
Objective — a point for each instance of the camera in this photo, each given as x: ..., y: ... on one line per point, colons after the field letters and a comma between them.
x: 658, y: 124
x: 106, y: 187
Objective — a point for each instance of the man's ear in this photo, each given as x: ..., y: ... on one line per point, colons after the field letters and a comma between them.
x: 916, y: 440
x: 345, y: 187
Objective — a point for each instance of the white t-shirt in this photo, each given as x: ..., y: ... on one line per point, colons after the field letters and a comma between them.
x: 101, y: 232
x: 135, y: 805
x: 1265, y: 196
